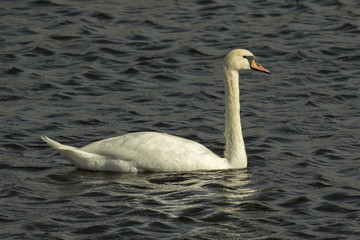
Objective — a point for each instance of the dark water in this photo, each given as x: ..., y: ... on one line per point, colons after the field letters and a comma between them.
x: 80, y: 71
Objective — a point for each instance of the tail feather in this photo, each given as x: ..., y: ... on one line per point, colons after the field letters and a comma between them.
x: 79, y: 158
x: 54, y: 144
x: 88, y: 160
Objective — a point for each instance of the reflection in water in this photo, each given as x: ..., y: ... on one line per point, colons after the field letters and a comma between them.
x: 236, y: 187
x: 90, y: 70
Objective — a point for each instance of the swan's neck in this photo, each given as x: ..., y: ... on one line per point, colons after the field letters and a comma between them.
x: 235, y: 147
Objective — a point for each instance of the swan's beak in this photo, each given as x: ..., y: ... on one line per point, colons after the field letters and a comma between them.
x: 258, y: 67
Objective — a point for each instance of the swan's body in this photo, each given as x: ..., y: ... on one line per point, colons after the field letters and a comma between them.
x: 160, y: 152
x: 142, y: 151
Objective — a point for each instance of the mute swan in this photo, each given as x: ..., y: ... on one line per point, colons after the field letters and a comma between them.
x: 160, y: 152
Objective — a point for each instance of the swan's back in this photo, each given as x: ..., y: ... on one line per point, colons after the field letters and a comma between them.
x: 152, y: 151
x: 144, y: 151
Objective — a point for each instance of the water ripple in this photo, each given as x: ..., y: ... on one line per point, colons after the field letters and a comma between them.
x: 82, y: 71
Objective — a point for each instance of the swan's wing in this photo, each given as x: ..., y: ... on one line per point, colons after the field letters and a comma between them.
x: 143, y: 151
x: 151, y: 151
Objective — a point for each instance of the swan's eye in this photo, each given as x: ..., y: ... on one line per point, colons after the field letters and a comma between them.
x: 249, y: 58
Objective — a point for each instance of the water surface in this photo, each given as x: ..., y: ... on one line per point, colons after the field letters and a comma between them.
x: 80, y: 71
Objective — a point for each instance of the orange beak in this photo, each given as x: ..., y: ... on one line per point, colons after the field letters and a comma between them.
x: 258, y: 67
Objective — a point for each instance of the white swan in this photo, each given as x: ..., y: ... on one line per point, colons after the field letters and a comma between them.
x: 159, y: 152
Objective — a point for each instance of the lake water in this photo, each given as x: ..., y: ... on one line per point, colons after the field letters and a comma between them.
x: 79, y: 71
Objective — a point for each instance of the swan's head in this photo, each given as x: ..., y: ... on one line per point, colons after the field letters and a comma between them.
x: 242, y: 59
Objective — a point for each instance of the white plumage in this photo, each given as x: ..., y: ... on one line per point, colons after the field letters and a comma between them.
x: 160, y: 152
